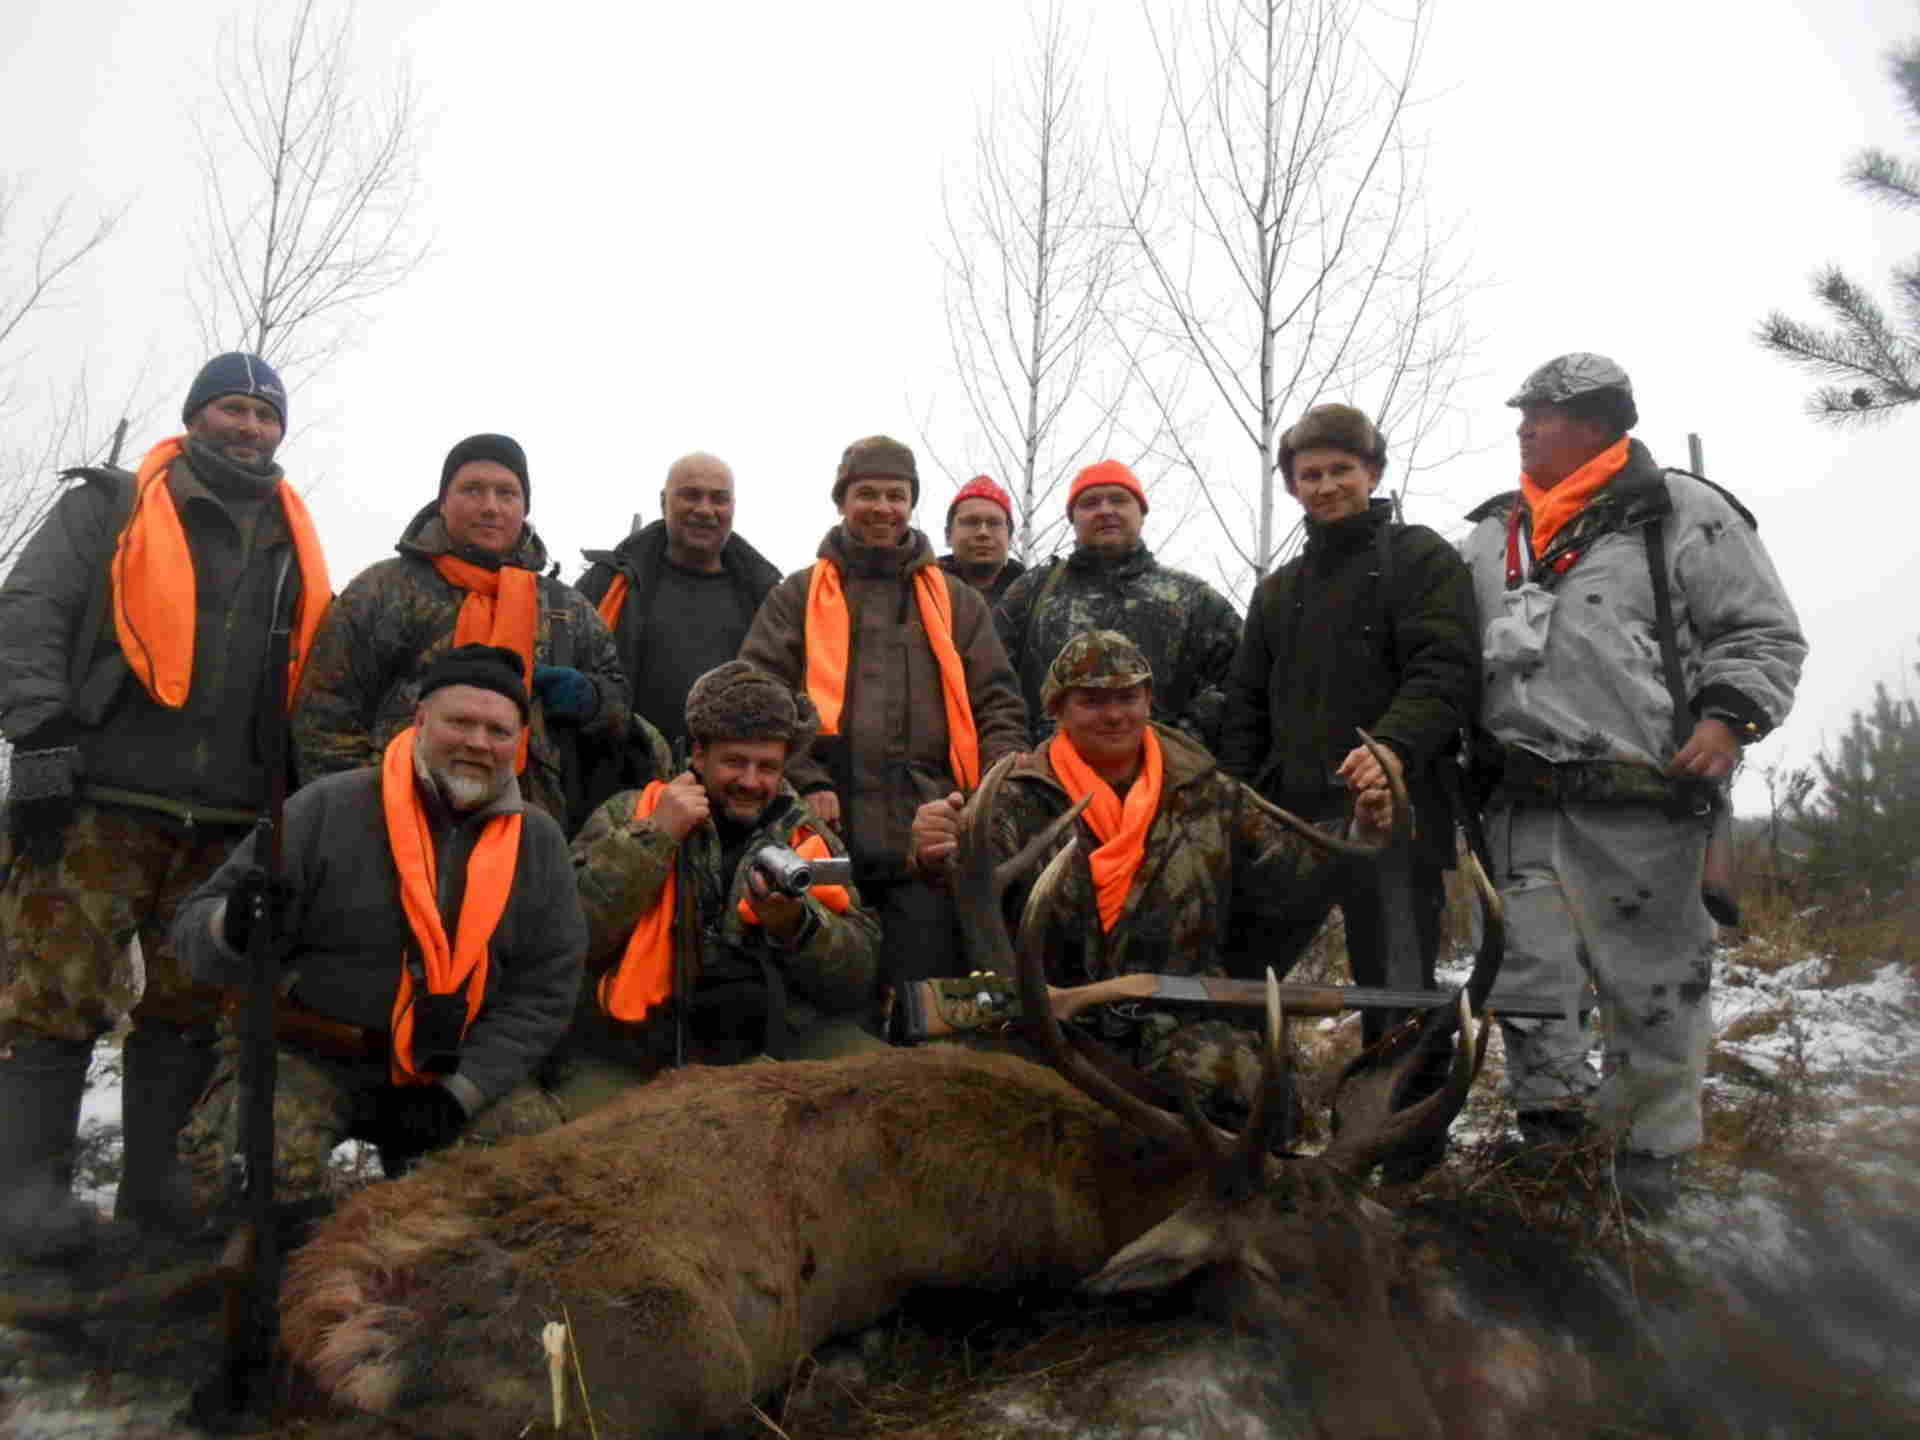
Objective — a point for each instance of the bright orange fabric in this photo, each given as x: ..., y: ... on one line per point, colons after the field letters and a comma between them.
x: 1120, y: 825
x: 611, y: 602
x: 643, y: 980
x: 502, y: 608
x: 1551, y: 509
x: 490, y: 869
x: 153, y: 584
x: 809, y: 846
x: 829, y: 652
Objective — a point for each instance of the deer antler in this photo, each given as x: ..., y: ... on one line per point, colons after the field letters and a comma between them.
x: 979, y: 887
x: 1372, y: 1116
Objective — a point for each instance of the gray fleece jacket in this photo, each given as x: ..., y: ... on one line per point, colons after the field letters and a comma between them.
x: 346, y: 930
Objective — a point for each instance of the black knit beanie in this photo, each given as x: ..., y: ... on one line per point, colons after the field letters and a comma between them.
x: 485, y: 667
x: 501, y: 449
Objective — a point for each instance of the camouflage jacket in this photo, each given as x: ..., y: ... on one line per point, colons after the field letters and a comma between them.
x: 1187, y: 630
x: 1221, y: 882
x: 1372, y: 626
x: 206, y: 752
x: 620, y: 868
x: 362, y: 683
x: 1590, y: 685
x: 891, y: 754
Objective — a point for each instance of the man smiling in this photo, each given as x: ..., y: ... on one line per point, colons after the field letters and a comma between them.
x: 679, y: 594
x: 979, y: 531
x: 1178, y: 870
x: 672, y: 867
x: 470, y: 570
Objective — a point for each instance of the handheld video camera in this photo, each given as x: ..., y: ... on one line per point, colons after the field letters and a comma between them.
x: 793, y: 874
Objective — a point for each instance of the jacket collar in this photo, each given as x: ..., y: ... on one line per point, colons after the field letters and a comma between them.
x: 877, y: 562
x: 1350, y: 532
x: 1185, y: 760
x: 426, y: 536
x: 1136, y: 561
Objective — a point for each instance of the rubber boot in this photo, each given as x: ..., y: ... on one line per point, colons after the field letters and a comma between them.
x: 42, y: 1079
x: 166, y: 1067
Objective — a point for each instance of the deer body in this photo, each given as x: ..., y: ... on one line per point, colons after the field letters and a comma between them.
x: 708, y: 1232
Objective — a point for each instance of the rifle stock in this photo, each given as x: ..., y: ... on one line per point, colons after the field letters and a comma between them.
x: 250, y: 1264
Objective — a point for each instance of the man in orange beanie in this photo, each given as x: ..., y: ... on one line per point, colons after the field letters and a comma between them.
x: 1186, y: 629
x: 979, y: 531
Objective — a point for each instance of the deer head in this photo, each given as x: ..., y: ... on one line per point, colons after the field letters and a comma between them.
x: 1290, y: 1244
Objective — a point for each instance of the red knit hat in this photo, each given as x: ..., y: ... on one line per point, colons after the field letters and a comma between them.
x: 1106, y: 472
x: 981, y: 487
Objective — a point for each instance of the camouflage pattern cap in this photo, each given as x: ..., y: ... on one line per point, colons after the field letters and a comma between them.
x: 1095, y: 660
x: 1567, y: 377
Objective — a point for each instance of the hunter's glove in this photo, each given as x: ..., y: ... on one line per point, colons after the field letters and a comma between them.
x: 247, y: 900
x: 44, y: 790
x: 407, y: 1121
x: 565, y: 693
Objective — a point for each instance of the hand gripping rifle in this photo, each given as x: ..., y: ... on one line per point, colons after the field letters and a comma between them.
x: 250, y: 1266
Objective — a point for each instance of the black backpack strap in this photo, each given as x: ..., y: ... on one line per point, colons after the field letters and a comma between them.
x: 120, y: 485
x: 1656, y: 530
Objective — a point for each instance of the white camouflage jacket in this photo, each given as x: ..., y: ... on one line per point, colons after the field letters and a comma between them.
x: 1571, y: 648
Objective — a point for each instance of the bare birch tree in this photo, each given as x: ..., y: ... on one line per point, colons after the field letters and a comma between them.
x: 56, y: 420
x: 1036, y: 254
x: 1279, y: 213
x: 309, y: 187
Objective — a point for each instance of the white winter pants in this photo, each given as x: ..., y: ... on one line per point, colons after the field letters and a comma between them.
x: 1608, y: 895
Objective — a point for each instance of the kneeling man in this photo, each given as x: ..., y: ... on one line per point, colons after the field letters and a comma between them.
x: 1181, y: 869
x: 432, y: 937
x: 673, y: 878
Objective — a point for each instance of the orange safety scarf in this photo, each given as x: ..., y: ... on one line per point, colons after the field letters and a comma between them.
x: 1552, y: 509
x: 613, y: 600
x: 829, y: 651
x: 1120, y: 825
x: 153, y: 584
x: 502, y: 608
x: 643, y: 980
x: 463, y: 964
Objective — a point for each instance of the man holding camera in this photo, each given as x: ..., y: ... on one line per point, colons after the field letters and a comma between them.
x: 433, y: 942
x: 699, y: 888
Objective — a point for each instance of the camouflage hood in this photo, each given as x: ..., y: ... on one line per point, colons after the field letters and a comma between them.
x: 426, y: 537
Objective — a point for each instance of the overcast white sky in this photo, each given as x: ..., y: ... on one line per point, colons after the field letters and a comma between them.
x: 659, y: 228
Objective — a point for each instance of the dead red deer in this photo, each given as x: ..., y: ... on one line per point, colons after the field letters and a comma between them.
x: 702, y: 1236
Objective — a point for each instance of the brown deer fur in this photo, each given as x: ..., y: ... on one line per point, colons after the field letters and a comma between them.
x: 710, y: 1230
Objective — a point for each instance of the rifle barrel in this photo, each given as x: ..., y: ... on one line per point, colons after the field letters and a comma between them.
x: 1333, y: 999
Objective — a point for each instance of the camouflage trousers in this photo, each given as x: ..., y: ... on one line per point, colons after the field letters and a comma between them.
x: 312, y: 1114
x: 66, y: 964
x: 1608, y: 895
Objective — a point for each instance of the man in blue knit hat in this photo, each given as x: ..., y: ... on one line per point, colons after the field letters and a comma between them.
x: 133, y: 651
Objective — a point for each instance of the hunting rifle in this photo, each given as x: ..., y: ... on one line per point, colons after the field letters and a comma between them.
x: 249, y: 1267
x: 943, y: 1007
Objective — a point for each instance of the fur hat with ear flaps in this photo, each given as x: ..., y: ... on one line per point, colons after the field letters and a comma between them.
x: 737, y: 701
x: 1333, y: 427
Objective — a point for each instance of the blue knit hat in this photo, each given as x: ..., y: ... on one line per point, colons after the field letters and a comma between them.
x: 235, y: 373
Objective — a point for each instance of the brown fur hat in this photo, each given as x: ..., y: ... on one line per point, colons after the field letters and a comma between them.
x: 737, y: 701
x: 1336, y: 427
x: 878, y: 457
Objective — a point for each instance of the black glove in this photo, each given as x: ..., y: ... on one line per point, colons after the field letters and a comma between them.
x: 243, y: 900
x: 45, y: 790
x: 406, y: 1121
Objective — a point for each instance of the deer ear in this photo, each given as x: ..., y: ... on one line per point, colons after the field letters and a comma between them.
x: 1163, y: 1257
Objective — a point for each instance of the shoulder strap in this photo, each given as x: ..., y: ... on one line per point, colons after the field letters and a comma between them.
x: 1655, y: 531
x: 119, y: 484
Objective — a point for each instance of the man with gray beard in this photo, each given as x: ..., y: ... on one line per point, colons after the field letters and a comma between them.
x: 434, y: 939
